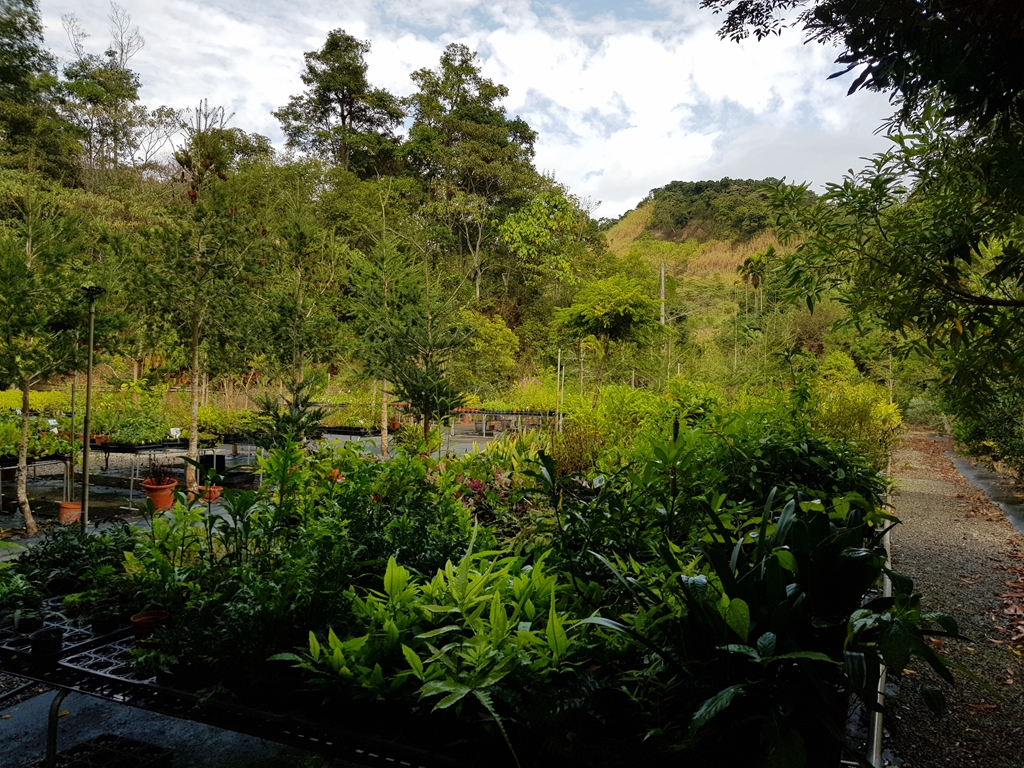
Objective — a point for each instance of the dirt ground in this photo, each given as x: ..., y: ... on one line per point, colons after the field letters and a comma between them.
x: 968, y: 561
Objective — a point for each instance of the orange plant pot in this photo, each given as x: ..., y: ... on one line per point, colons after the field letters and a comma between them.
x: 210, y: 492
x: 70, y: 512
x: 146, y: 623
x: 162, y: 495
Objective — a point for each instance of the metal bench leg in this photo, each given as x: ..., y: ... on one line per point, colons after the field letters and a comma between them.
x: 51, y: 729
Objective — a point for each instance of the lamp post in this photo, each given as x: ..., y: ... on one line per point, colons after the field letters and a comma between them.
x: 92, y: 292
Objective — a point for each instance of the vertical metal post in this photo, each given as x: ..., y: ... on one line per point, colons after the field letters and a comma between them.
x: 558, y: 385
x: 51, y: 729
x: 93, y: 293
x: 876, y: 728
x: 70, y: 484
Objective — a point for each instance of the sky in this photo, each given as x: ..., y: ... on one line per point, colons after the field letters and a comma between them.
x: 626, y: 96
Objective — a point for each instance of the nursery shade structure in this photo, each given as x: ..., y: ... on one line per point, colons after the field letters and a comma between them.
x: 92, y: 292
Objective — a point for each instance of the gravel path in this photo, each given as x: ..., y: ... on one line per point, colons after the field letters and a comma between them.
x: 969, y: 562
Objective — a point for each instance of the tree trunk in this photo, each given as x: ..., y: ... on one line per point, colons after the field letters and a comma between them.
x: 191, y: 483
x: 384, y: 419
x: 26, y: 510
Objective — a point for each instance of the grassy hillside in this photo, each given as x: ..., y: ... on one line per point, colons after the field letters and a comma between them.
x: 700, y: 229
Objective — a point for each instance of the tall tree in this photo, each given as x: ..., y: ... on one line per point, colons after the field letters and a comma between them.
x: 477, y: 161
x: 41, y: 318
x: 307, y: 262
x: 196, y: 263
x: 340, y: 117
x: 406, y: 320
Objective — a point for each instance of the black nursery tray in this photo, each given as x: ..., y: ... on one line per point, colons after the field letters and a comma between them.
x: 352, y: 432
x: 127, y: 447
x: 76, y: 638
x: 106, y: 670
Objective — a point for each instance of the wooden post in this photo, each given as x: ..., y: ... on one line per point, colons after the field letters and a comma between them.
x: 661, y: 294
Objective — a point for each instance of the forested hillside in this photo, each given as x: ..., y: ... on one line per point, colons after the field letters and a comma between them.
x: 435, y: 264
x: 192, y: 223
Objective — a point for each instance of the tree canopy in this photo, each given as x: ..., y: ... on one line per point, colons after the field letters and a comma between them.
x: 340, y: 116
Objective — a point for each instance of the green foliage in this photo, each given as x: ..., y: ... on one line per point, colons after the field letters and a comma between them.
x: 475, y: 160
x: 548, y: 235
x: 614, y: 311
x: 69, y: 560
x: 724, y: 209
x: 762, y: 629
x: 16, y: 591
x: 848, y: 408
x: 128, y: 416
x: 43, y: 439
x: 486, y: 363
x: 221, y: 422
x: 34, y: 135
x: 46, y: 403
x: 297, y: 418
x: 994, y: 428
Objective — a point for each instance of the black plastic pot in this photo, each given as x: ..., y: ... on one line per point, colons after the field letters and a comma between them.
x: 216, y: 462
x: 105, y: 623
x: 47, y: 643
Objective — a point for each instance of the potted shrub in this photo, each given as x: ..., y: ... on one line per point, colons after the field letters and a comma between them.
x: 159, y: 488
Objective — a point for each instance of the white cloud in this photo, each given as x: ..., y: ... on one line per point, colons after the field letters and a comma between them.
x: 625, y: 99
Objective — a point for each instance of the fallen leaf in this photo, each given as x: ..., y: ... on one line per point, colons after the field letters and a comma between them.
x: 982, y: 706
x: 909, y: 672
x: 65, y: 712
x: 997, y: 642
x: 1014, y: 610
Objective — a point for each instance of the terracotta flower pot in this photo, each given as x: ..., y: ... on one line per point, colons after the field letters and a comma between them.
x: 162, y: 494
x: 146, y: 623
x: 70, y: 512
x: 210, y: 492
